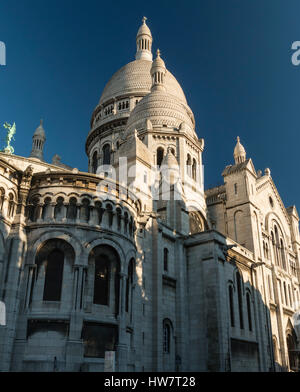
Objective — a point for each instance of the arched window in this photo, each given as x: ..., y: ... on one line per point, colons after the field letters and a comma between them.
x: 231, y: 305
x: 106, y: 154
x: 85, y: 210
x: 291, y: 345
x: 194, y: 170
x: 54, y: 276
x: 119, y: 217
x: 274, y: 248
x: 188, y: 165
x: 99, y: 212
x: 167, y: 337
x: 33, y: 209
x: 72, y: 209
x: 166, y: 256
x: 2, y: 195
x: 95, y: 162
x: 109, y: 210
x: 46, y: 208
x: 58, y: 209
x: 101, y: 282
x: 240, y: 299
x: 131, y: 226
x: 11, y: 205
x: 104, y: 262
x: 126, y: 222
x: 267, y: 250
x: 282, y: 254
x: 159, y: 156
x: 129, y: 283
x: 249, y: 311
x: 285, y: 296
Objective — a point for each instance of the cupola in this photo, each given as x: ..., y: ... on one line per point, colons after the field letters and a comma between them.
x: 144, y: 42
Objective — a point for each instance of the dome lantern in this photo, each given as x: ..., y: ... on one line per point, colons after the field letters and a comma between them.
x: 144, y: 42
x: 158, y: 72
x: 239, y: 153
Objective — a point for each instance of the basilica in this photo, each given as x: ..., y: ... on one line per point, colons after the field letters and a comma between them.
x: 134, y: 258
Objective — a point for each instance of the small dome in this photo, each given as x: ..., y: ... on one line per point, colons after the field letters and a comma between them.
x: 158, y: 62
x: 40, y: 130
x: 163, y: 110
x: 144, y: 29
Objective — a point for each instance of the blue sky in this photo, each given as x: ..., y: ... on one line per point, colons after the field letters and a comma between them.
x: 231, y: 57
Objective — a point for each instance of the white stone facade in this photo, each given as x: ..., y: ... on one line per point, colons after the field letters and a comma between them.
x: 140, y: 260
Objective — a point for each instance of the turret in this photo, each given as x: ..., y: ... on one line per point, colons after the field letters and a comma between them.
x: 38, y: 141
x: 144, y: 42
x: 239, y: 152
x: 158, y: 73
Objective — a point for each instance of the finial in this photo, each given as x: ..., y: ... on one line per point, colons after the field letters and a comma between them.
x: 238, y: 139
x: 41, y: 122
x: 158, y: 53
x: 144, y: 19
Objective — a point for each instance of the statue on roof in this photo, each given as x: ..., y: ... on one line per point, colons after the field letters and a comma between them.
x: 9, y: 137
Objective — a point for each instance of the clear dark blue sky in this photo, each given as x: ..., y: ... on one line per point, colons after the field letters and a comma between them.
x: 231, y: 57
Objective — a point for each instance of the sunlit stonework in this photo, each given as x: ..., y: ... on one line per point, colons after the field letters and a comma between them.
x: 134, y: 257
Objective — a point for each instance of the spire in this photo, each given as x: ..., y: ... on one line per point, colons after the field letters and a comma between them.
x: 158, y: 72
x: 144, y: 42
x: 38, y: 141
x: 239, y: 153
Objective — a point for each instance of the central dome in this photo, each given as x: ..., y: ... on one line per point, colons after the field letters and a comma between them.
x: 162, y: 109
x: 135, y: 78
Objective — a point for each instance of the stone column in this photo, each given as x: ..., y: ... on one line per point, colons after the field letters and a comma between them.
x: 74, y: 346
x: 64, y: 212
x: 122, y: 346
x: 11, y: 300
x: 29, y: 285
x: 92, y: 220
x: 51, y: 211
x: 39, y: 213
x: 78, y: 213
x: 5, y: 207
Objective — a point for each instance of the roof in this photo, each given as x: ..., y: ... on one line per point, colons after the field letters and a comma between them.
x: 135, y: 78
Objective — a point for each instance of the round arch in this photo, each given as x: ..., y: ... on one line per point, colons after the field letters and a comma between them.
x: 34, y: 248
x: 110, y: 242
x: 276, y: 218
